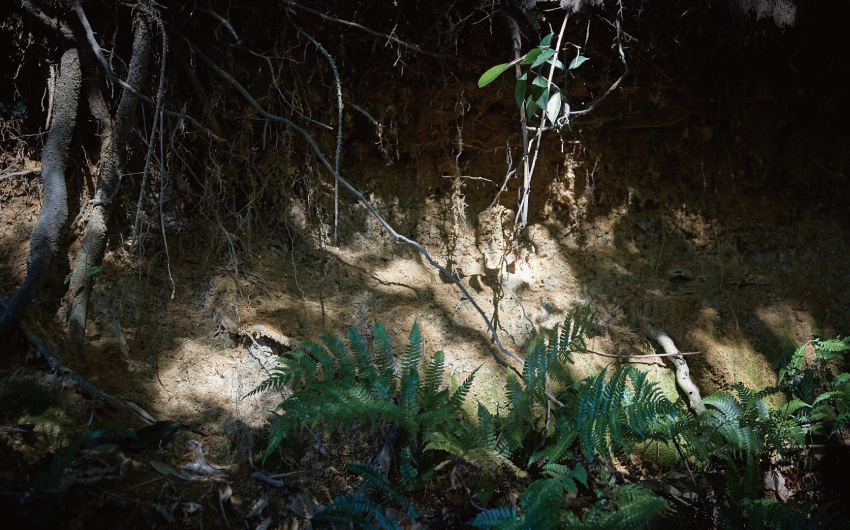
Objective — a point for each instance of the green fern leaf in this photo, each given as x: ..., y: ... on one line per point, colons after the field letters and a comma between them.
x: 356, y: 510
x: 459, y: 395
x: 432, y: 379
x: 502, y: 518
x: 383, y: 357
x: 346, y: 368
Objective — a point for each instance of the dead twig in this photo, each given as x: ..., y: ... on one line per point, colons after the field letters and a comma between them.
x: 360, y: 197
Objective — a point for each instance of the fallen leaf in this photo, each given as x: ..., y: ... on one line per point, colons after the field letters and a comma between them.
x: 302, y: 505
x: 142, y: 413
x: 162, y: 467
x: 119, y: 336
x: 258, y: 508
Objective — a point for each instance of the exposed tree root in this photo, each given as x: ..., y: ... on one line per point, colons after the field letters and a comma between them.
x: 112, y: 159
x: 54, y: 209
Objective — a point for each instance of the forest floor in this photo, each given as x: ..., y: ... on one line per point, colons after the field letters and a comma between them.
x: 649, y: 221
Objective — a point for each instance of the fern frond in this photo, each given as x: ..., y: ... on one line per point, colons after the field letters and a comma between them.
x: 502, y: 518
x: 432, y: 380
x: 633, y: 507
x: 383, y: 357
x: 346, y: 368
x: 379, y: 482
x: 541, y: 504
x: 829, y: 350
x: 277, y: 380
x: 356, y: 510
x: 360, y: 350
x: 410, y: 478
x: 409, y: 393
x: 559, y: 450
x: 487, y: 436
x: 459, y: 395
x: 449, y: 443
x: 789, y: 363
x: 576, y: 328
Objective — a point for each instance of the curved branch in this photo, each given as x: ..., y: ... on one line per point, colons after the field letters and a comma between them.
x: 411, y: 47
x: 683, y: 374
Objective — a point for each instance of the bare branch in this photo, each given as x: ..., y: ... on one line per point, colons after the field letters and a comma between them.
x: 411, y: 47
x: 398, y: 237
x: 98, y: 52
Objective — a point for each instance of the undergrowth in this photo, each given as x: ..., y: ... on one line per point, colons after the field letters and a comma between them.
x: 544, y: 461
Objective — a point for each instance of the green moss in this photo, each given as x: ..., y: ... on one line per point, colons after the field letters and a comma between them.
x: 27, y: 400
x: 660, y: 453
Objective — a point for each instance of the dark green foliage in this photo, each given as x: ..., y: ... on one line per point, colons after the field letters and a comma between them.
x: 357, y: 511
x: 604, y: 414
x: 379, y: 482
x: 479, y: 446
x: 770, y: 514
x: 557, y: 448
x: 328, y: 384
x: 630, y: 507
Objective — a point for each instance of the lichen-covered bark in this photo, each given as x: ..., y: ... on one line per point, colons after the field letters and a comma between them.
x: 54, y: 209
x: 113, y: 156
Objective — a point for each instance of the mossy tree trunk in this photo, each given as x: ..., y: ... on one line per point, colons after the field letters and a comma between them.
x: 113, y: 156
x: 54, y: 209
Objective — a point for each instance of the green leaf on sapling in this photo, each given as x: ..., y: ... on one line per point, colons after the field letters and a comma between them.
x: 553, y: 107
x: 547, y: 40
x: 490, y: 75
x: 558, y: 64
x: 578, y: 61
x: 539, y: 95
x: 531, y: 56
x: 519, y: 89
x: 544, y: 56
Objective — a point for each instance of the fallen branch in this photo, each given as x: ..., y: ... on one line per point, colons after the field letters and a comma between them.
x: 96, y: 393
x: 643, y: 356
x: 683, y: 376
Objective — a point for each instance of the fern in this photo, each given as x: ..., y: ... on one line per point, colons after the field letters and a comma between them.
x: 501, y: 518
x: 478, y: 446
x: 379, y: 482
x: 336, y: 385
x: 770, y: 514
x: 410, y: 478
x: 358, y: 511
x: 605, y: 413
x: 540, y: 507
x: 631, y: 506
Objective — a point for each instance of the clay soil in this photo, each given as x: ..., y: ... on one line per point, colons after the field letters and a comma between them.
x: 715, y: 212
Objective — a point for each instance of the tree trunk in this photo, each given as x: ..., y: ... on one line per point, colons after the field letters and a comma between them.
x: 113, y: 156
x: 54, y: 209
